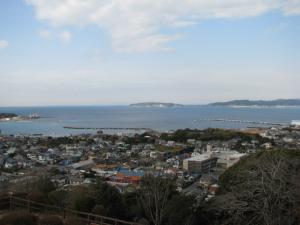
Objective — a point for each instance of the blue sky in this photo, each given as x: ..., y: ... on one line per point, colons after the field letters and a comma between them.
x: 70, y: 52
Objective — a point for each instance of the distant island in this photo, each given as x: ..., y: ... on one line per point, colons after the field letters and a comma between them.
x: 233, y: 103
x: 7, y: 115
x: 260, y: 103
x: 155, y: 104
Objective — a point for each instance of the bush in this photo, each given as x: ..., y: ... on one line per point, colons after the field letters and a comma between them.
x: 99, y: 210
x: 51, y: 220
x: 37, y: 197
x: 18, y: 218
x: 43, y: 185
x: 110, y: 199
x: 58, y: 198
x: 74, y: 221
x: 179, y: 210
x: 80, y: 199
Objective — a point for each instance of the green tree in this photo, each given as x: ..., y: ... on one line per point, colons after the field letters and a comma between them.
x: 58, y: 198
x: 179, y: 210
x: 110, y: 199
x: 43, y: 185
x: 135, y: 210
x: 81, y: 199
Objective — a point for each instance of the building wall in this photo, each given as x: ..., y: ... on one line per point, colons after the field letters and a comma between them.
x: 201, y: 166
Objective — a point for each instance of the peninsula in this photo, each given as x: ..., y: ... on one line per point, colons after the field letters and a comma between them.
x: 260, y: 103
x: 7, y: 115
x: 14, y: 117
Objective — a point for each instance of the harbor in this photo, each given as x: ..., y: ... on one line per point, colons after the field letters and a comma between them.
x: 31, y: 116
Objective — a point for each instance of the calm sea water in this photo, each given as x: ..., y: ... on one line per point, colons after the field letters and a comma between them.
x: 162, y: 119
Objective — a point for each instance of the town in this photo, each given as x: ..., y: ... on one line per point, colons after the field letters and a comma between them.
x: 196, y: 158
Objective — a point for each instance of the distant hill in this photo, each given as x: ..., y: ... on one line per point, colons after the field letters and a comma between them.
x: 155, y: 104
x: 259, y: 103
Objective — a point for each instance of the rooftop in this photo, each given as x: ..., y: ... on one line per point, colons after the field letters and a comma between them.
x: 201, y: 157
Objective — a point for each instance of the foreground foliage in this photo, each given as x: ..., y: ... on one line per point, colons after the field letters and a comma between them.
x: 261, y: 189
x: 18, y: 218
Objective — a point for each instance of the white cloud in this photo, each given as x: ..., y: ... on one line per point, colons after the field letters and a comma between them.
x: 291, y: 7
x: 135, y: 25
x: 65, y: 36
x: 44, y: 33
x: 3, y: 44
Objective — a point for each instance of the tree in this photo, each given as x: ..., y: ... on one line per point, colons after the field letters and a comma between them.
x: 81, y: 199
x: 43, y: 185
x: 154, y: 194
x: 179, y: 210
x: 58, y: 198
x: 131, y: 200
x: 261, y: 189
x: 109, y: 198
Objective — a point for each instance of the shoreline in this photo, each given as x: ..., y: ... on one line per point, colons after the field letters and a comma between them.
x: 18, y: 118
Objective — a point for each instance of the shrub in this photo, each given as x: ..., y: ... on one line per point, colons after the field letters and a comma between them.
x: 43, y: 185
x: 58, y: 198
x: 51, y: 220
x: 18, y: 218
x: 81, y: 199
x: 37, y: 197
x: 74, y: 221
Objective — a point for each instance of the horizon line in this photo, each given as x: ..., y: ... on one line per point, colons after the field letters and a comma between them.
x: 128, y: 104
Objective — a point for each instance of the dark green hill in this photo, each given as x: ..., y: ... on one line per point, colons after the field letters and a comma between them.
x: 278, y: 102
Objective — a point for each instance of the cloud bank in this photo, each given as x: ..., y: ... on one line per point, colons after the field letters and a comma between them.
x: 137, y: 25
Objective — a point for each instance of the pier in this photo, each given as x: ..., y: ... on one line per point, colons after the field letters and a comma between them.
x: 244, y: 121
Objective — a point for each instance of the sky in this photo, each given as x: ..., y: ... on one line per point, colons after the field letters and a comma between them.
x: 115, y: 52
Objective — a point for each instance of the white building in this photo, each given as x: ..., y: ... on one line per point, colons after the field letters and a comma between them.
x: 296, y: 122
x: 227, y: 159
x: 200, y: 163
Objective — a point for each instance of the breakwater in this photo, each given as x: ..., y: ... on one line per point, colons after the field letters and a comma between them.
x: 108, y: 128
x: 245, y: 121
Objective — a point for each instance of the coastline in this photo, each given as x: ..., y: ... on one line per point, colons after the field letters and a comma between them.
x: 53, y: 120
x: 263, y: 107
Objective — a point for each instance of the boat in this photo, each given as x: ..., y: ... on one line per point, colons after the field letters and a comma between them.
x: 34, y: 116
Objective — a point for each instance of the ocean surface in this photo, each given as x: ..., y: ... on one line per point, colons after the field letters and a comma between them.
x: 53, y: 119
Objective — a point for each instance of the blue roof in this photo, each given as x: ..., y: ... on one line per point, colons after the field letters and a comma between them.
x: 128, y: 172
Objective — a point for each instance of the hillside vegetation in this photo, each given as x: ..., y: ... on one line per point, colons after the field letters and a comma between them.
x: 261, y: 189
x: 210, y: 134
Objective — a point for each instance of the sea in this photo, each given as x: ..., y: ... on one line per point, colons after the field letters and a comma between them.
x: 53, y: 119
